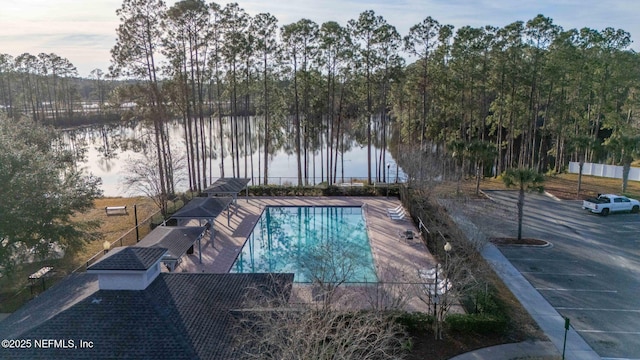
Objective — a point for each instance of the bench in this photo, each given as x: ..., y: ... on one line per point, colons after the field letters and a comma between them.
x: 40, y: 275
x: 116, y: 210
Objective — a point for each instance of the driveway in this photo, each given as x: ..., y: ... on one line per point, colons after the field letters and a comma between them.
x: 590, y: 273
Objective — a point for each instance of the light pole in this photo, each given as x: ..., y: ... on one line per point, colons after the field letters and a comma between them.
x: 388, y: 167
x: 447, y: 249
x: 443, y: 302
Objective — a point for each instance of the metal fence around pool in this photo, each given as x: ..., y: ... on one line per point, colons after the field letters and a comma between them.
x: 413, y: 296
x: 319, y: 180
x: 131, y: 237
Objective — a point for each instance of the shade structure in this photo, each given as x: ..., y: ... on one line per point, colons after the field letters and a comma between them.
x: 204, y: 209
x: 176, y: 240
x: 229, y: 187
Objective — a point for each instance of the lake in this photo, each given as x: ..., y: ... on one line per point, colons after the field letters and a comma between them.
x: 108, y: 148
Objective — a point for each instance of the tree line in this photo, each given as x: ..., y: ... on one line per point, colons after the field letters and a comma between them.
x: 48, y: 89
x: 529, y: 94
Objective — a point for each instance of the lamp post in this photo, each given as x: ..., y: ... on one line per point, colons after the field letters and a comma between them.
x: 441, y: 301
x: 447, y: 249
x: 388, y: 167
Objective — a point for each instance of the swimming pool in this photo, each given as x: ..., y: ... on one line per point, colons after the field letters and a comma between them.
x: 316, y: 243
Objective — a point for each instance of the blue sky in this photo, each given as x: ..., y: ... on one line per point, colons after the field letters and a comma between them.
x: 83, y: 31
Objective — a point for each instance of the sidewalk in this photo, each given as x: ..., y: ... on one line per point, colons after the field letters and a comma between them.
x: 534, y: 349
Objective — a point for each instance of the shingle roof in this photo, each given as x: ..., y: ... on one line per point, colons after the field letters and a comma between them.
x: 179, y: 316
x: 129, y: 258
x: 175, y: 239
x: 227, y: 186
x: 203, y: 208
x: 65, y: 294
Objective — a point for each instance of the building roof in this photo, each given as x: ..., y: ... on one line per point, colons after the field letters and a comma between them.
x: 129, y: 258
x: 203, y: 208
x: 178, y: 316
x: 176, y: 239
x: 227, y: 186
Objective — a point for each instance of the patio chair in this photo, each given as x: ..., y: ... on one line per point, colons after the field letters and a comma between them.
x: 401, y: 212
x: 429, y: 275
x: 395, y: 210
x: 398, y: 216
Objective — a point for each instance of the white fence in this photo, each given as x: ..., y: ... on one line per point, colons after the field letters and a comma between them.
x: 610, y: 171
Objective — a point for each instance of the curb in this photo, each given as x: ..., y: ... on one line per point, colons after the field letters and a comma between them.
x: 525, y: 349
x: 552, y: 196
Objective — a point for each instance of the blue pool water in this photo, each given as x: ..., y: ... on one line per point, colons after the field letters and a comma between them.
x: 328, y: 244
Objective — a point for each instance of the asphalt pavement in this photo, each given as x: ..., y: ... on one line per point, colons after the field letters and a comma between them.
x: 590, y: 274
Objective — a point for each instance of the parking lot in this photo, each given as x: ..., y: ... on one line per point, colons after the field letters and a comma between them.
x: 591, y: 271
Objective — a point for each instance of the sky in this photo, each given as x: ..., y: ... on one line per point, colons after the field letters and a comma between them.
x: 83, y: 31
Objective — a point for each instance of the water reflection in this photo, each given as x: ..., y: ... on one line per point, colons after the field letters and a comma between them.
x: 106, y: 149
x: 317, y: 244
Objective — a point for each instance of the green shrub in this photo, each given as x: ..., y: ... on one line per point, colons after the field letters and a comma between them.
x: 173, y: 206
x: 482, y: 302
x: 156, y: 220
x: 323, y: 190
x: 416, y: 321
x: 476, y: 323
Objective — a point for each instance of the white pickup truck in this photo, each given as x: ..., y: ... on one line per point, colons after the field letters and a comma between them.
x: 608, y: 203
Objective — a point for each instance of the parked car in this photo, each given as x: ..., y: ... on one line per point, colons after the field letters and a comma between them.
x: 605, y: 204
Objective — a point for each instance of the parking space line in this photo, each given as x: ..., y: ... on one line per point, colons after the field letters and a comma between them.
x: 597, y: 309
x: 578, y: 290
x: 609, y: 332
x: 563, y: 274
x: 547, y: 260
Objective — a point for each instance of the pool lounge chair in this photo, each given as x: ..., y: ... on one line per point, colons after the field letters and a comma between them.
x: 429, y: 277
x: 430, y: 274
x: 395, y: 210
x: 398, y: 213
x: 398, y: 216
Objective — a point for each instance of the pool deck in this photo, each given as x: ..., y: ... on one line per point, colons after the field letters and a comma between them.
x: 397, y: 260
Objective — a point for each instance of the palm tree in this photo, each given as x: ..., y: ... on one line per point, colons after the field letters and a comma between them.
x: 525, y: 179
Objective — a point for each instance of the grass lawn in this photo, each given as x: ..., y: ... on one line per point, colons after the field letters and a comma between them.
x: 14, y: 290
x: 564, y: 186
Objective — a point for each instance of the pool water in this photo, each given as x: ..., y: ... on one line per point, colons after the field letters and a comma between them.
x: 316, y: 243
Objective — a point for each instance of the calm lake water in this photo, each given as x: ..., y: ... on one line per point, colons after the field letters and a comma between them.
x: 109, y: 147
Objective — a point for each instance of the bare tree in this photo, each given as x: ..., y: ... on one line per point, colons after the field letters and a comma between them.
x: 142, y: 176
x: 328, y: 265
x: 275, y: 330
x: 449, y: 281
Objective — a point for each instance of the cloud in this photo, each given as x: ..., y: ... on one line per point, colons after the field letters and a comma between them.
x: 85, y: 30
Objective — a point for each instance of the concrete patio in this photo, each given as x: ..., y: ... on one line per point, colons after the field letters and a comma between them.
x: 396, y: 259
